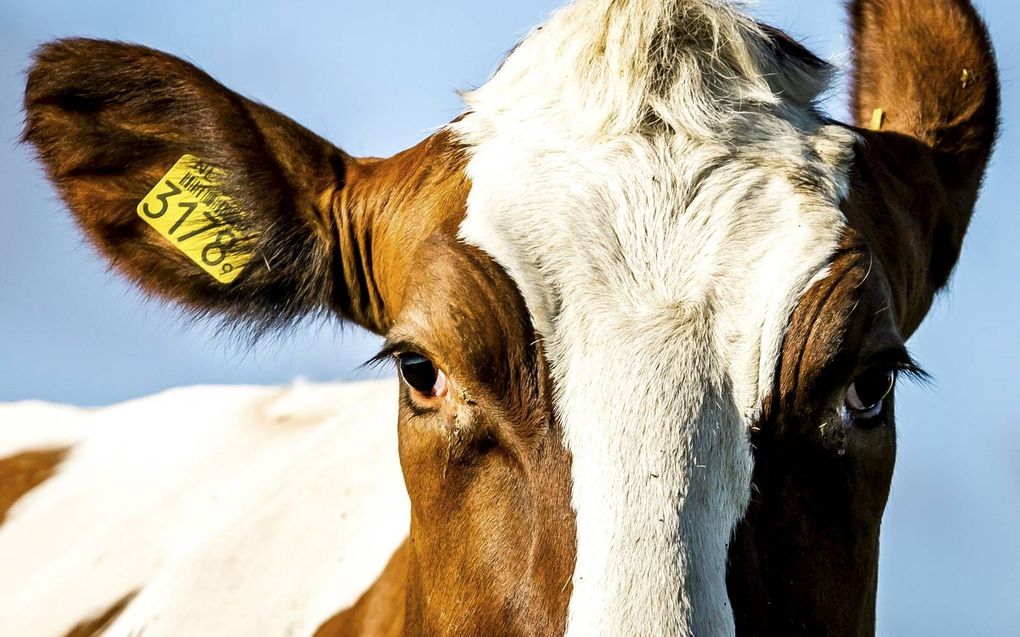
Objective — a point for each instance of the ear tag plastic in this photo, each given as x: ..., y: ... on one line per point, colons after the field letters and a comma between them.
x: 189, y: 210
x: 877, y: 119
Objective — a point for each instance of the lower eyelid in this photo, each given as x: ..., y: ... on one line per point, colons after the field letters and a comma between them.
x: 872, y: 412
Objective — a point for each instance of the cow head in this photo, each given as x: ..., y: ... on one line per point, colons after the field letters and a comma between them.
x: 648, y: 305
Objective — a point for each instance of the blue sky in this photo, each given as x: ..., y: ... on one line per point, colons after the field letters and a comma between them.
x: 375, y: 78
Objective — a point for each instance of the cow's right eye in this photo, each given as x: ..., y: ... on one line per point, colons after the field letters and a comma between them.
x: 421, y: 375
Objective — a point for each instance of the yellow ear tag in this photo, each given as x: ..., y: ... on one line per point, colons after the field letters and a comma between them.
x: 877, y: 119
x: 187, y: 207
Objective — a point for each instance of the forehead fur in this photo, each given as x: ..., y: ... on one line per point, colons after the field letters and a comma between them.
x: 690, y: 65
x: 654, y: 177
x: 653, y: 133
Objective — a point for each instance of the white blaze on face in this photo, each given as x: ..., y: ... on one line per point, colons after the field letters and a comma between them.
x: 661, y: 237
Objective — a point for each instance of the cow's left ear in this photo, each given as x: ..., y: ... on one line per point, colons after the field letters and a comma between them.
x: 926, y: 95
x: 206, y: 198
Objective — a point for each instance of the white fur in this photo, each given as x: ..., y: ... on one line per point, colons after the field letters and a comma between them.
x: 234, y: 510
x: 637, y: 168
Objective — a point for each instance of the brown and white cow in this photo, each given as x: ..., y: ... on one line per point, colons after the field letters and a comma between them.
x: 647, y: 303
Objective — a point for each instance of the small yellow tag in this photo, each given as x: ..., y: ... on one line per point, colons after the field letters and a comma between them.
x: 187, y: 207
x: 877, y: 118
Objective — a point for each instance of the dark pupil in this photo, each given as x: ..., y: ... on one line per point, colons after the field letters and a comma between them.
x: 418, y: 372
x: 873, y: 386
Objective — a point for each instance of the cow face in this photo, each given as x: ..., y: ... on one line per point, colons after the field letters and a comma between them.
x: 647, y: 304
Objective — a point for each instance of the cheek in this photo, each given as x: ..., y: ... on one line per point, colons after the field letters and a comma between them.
x: 423, y: 442
x: 437, y: 435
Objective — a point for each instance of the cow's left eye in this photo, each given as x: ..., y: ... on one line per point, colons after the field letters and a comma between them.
x: 866, y: 396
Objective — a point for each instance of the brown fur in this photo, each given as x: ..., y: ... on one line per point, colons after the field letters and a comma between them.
x: 109, y: 119
x: 804, y: 560
x: 492, y: 530
x: 95, y: 626
x: 492, y: 537
x: 23, y: 472
x: 917, y: 180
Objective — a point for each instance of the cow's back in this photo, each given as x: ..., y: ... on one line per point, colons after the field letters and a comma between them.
x: 199, y: 511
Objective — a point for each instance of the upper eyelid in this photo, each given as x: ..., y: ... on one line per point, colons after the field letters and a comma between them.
x: 396, y: 346
x: 899, y: 359
x: 896, y: 357
x: 387, y: 352
x: 891, y: 356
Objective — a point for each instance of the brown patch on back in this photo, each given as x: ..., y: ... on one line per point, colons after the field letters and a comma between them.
x: 23, y: 472
x: 97, y: 624
x: 380, y: 611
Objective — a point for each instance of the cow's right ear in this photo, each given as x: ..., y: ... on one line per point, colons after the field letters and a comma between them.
x: 211, y: 200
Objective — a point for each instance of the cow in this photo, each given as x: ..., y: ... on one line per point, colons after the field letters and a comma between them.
x: 647, y: 305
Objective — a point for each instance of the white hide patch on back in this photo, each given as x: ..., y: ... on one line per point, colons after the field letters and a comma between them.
x: 653, y: 176
x: 233, y: 510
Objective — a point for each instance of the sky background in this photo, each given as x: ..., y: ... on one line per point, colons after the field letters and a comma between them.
x: 375, y: 77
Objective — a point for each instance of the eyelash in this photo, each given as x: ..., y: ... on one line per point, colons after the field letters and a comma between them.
x: 898, y: 361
